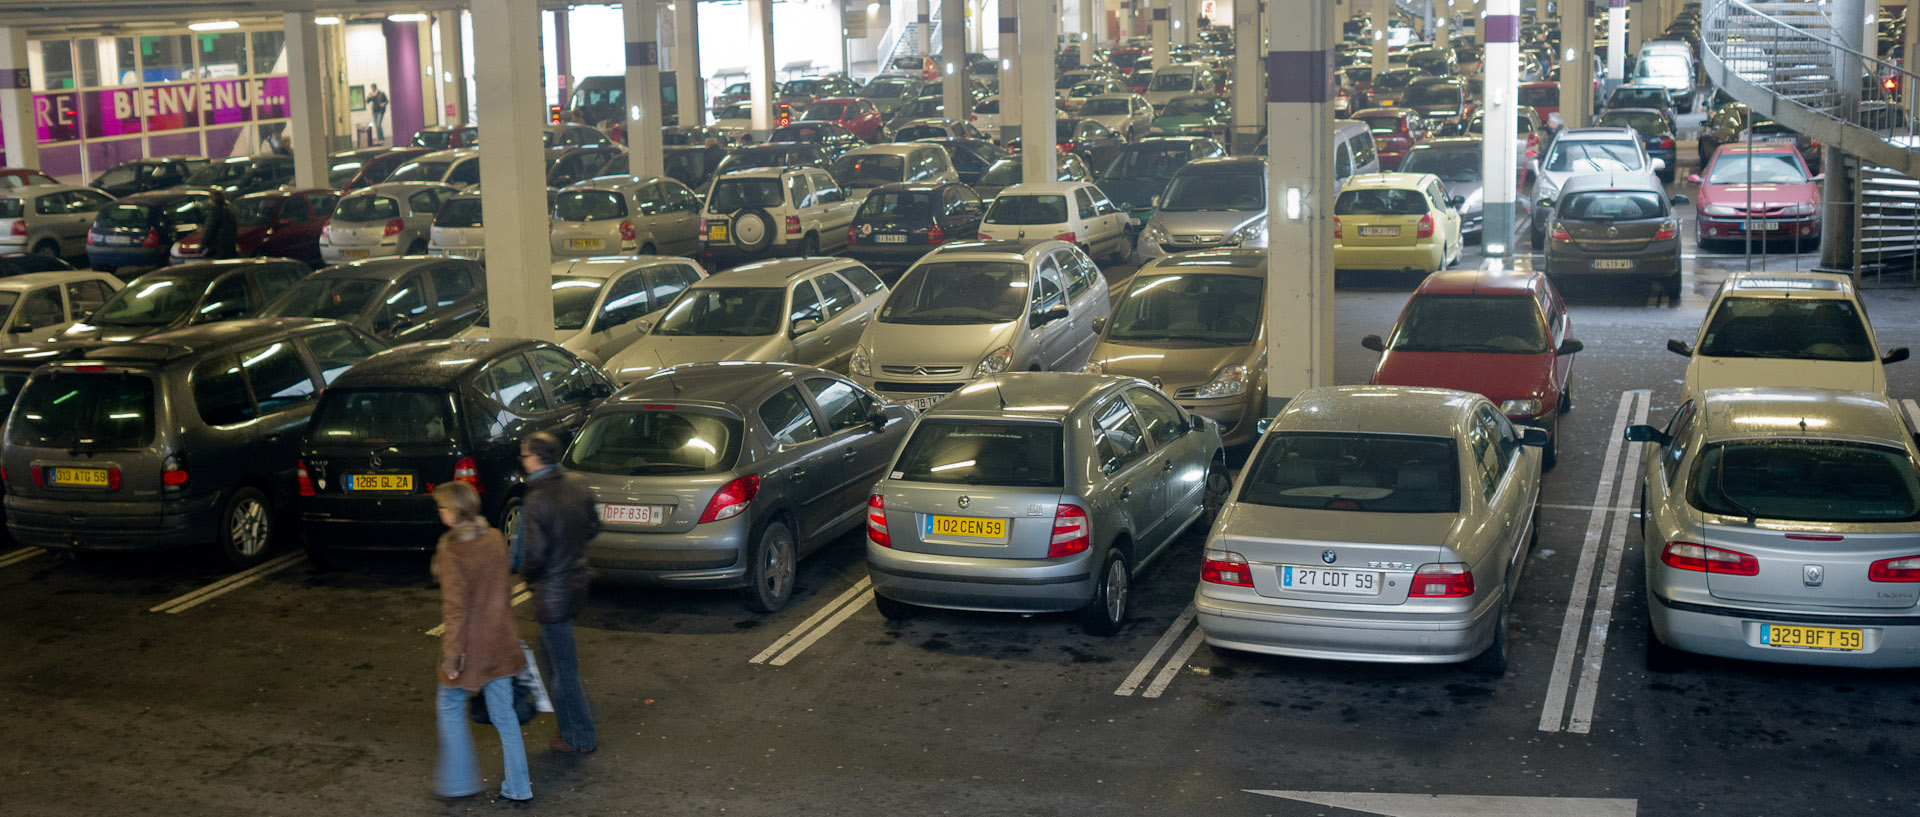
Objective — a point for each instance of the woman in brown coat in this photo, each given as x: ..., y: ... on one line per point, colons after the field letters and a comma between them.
x: 480, y: 649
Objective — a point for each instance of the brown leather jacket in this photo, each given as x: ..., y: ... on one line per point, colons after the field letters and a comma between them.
x: 481, y: 642
x: 559, y: 519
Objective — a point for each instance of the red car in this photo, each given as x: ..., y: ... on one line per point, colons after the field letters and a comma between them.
x: 1395, y: 131
x: 1543, y: 97
x: 282, y: 223
x: 12, y: 177
x: 857, y: 114
x: 1503, y: 334
x: 918, y: 67
x: 1760, y: 186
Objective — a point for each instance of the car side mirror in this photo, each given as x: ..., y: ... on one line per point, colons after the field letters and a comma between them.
x: 1547, y: 202
x: 1100, y: 325
x: 1261, y: 425
x: 1895, y: 355
x: 1693, y: 178
x: 1374, y: 342
x: 1659, y: 164
x: 804, y: 325
x: 1646, y: 434
x: 1111, y: 465
x: 1154, y: 202
x: 1049, y: 315
x: 1569, y: 346
x: 1679, y: 348
x: 1679, y: 201
x: 1455, y: 201
x: 1196, y: 422
x: 1533, y: 436
x: 878, y: 419
x: 1820, y: 178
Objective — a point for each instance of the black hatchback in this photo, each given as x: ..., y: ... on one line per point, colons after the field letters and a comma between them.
x: 398, y: 300
x: 137, y: 230
x: 188, y: 294
x: 411, y: 418
x: 898, y: 223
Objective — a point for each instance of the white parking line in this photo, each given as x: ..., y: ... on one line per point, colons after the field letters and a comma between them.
x: 1553, y: 709
x: 1152, y: 657
x: 1582, y: 719
x: 1173, y: 665
x: 227, y: 585
x: 1913, y: 410
x: 789, y: 646
x: 14, y: 557
x: 520, y: 596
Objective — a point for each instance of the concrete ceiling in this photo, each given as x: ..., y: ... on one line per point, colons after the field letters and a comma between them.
x: 45, y: 18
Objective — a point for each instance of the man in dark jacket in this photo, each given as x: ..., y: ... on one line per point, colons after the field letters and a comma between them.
x: 558, y: 520
x: 219, y: 234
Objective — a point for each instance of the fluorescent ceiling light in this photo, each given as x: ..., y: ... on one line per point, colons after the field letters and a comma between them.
x: 326, y: 21
x: 217, y: 25
x: 406, y: 18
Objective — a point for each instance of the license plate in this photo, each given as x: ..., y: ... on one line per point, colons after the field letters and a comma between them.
x: 1613, y: 263
x: 922, y: 403
x: 889, y: 239
x: 379, y: 482
x: 634, y: 514
x: 717, y: 232
x: 584, y: 243
x: 1383, y: 232
x: 1322, y: 580
x: 970, y: 527
x: 1787, y: 636
x: 116, y: 240
x: 355, y: 253
x: 1763, y: 225
x: 88, y: 477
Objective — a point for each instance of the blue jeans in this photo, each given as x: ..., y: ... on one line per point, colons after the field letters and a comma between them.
x: 563, y: 684
x: 458, y: 772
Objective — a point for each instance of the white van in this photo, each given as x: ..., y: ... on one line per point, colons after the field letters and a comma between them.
x: 1353, y: 150
x: 1668, y: 64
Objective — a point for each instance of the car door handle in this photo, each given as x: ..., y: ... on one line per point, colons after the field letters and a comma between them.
x: 799, y: 472
x: 849, y: 453
x: 1126, y: 493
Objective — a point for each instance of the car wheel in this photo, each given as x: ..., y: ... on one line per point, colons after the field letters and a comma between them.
x: 1566, y: 397
x: 649, y: 250
x: 510, y: 520
x: 418, y: 247
x: 893, y: 609
x: 1660, y: 657
x: 48, y: 248
x: 246, y: 528
x: 810, y: 246
x: 770, y: 569
x: 1551, y: 455
x: 1538, y: 237
x: 1107, y: 610
x: 1672, y: 287
x: 1493, y: 660
x: 1533, y: 534
x: 1213, y: 496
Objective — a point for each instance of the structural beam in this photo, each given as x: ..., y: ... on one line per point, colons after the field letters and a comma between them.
x: 1576, y: 65
x: 1039, y: 22
x: 641, y: 20
x: 953, y: 60
x: 1162, y: 34
x: 923, y: 27
x: 306, y: 133
x: 1382, y: 20
x: 1616, y: 42
x: 453, y: 68
x: 760, y: 63
x: 514, y: 198
x: 1499, y: 156
x: 1249, y: 111
x: 689, y: 85
x: 1086, y: 30
x: 1300, y: 185
x: 1009, y: 71
x: 17, y: 128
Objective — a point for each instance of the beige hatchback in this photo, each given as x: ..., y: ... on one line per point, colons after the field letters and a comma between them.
x: 625, y: 215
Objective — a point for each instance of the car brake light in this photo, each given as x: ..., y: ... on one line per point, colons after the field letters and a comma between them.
x: 1069, y: 237
x: 393, y: 228
x: 984, y: 237
x: 627, y: 232
x: 793, y: 225
x: 936, y: 235
x: 1666, y: 231
x: 19, y: 227
x: 1067, y: 147
x: 1665, y: 142
x: 877, y: 521
x: 305, y: 481
x: 39, y: 477
x: 853, y: 236
x: 732, y: 499
x: 1426, y: 226
x: 1336, y: 227
x: 1708, y: 559
x: 152, y: 239
x: 1903, y: 569
x: 113, y: 479
x: 1445, y: 580
x: 173, y: 473
x: 90, y: 238
x: 465, y: 471
x: 1226, y: 567
x: 1560, y: 232
x: 1072, y: 531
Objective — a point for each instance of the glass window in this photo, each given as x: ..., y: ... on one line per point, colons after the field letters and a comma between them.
x: 1509, y: 324
x: 323, y: 203
x: 84, y: 411
x: 279, y: 377
x: 863, y: 278
x: 227, y: 298
x: 368, y: 208
x: 50, y: 204
x: 959, y: 292
x: 1163, y: 420
x: 787, y: 417
x: 425, y: 201
x: 323, y: 296
x: 1678, y: 430
x: 83, y: 297
x: 407, y: 299
x: 222, y: 55
x: 1806, y: 480
x: 1008, y: 454
x: 268, y: 47
x: 276, y: 279
x: 165, y: 59
x: 637, y: 443
x: 566, y: 378
x: 1118, y: 439
x: 1797, y: 328
x: 806, y: 304
x: 56, y: 65
x: 1085, y: 202
x: 513, y: 386
x: 666, y: 281
x: 626, y: 300
x: 1379, y: 473
x: 843, y: 403
x: 39, y: 310
x: 337, y: 349
x: 1613, y: 205
x: 451, y: 283
x: 1028, y: 209
x: 295, y: 209
x: 384, y: 417
x: 220, y: 392
x: 467, y: 172
x: 1380, y: 201
x: 834, y: 293
x: 724, y: 311
x: 797, y: 190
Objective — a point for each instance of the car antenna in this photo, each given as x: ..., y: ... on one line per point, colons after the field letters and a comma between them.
x: 667, y: 370
x: 998, y: 393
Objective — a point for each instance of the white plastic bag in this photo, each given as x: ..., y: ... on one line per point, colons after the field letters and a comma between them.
x: 531, y: 675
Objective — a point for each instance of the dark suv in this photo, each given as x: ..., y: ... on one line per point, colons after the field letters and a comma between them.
x: 399, y: 300
x: 185, y: 437
x: 188, y: 294
x: 426, y: 413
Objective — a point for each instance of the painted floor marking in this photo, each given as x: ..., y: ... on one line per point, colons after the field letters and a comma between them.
x: 1460, y: 805
x: 227, y: 585
x: 789, y: 646
x: 14, y: 557
x: 1581, y: 721
x: 1913, y: 410
x: 1174, y: 664
x: 520, y: 596
x: 1152, y: 658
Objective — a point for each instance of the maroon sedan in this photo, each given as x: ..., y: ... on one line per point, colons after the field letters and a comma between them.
x: 283, y: 223
x: 1762, y: 188
x: 857, y: 114
x: 1395, y: 131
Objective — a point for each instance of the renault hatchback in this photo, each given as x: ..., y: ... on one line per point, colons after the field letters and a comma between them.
x: 382, y: 220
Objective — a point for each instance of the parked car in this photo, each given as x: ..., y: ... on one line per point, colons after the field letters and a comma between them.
x: 1768, y: 329
x: 1786, y: 542
x: 1642, y: 96
x: 986, y: 116
x: 1194, y: 115
x: 241, y: 175
x: 382, y: 220
x: 1528, y: 129
x: 800, y: 310
x: 1611, y: 226
x: 1074, y: 212
x: 1735, y: 122
x: 862, y: 169
x: 185, y: 438
x: 447, y: 137
x: 49, y: 220
x: 1543, y: 97
x: 1443, y: 102
x: 1457, y: 162
x: 1760, y: 191
x: 139, y: 175
x: 1007, y: 172
x: 938, y: 131
x: 918, y: 67
x: 899, y: 223
x: 398, y: 300
x: 568, y: 165
x: 857, y: 115
x: 625, y: 215
x: 1139, y: 172
x: 1390, y: 86
x: 1205, y: 204
x: 1194, y: 325
x: 832, y: 138
x: 137, y: 230
x: 776, y: 154
x: 12, y: 177
x: 890, y: 92
x: 283, y: 223
x: 1414, y: 510
x: 601, y: 305
x: 977, y: 308
x: 1504, y: 335
x: 1125, y: 113
x: 1035, y: 493
x: 37, y: 305
x: 1395, y: 131
x: 21, y: 263
x: 1085, y: 138
x: 1580, y: 151
x: 1668, y: 64
x: 368, y: 167
x: 1656, y: 129
x: 455, y: 168
x: 911, y: 111
x: 1178, y: 80
x: 1076, y: 97
x: 971, y: 157
x: 776, y: 211
x: 458, y: 228
x: 723, y: 475
x: 424, y: 414
x: 188, y: 294
x: 567, y: 136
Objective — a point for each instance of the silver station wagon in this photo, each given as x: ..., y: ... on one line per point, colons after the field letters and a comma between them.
x: 1376, y: 523
x: 1040, y: 492
x: 1782, y: 524
x: 723, y: 474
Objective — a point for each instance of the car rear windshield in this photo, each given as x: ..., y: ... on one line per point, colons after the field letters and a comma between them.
x: 1435, y: 95
x: 988, y: 106
x: 74, y: 410
x: 1023, y: 455
x: 914, y: 133
x: 659, y: 441
x: 898, y: 204
x: 1188, y: 106
x: 367, y: 208
x: 1380, y: 201
x: 218, y: 173
x: 590, y: 205
x: 573, y: 300
x: 1378, y: 473
x: 1151, y: 161
x: 1028, y: 209
x: 1171, y: 81
x: 959, y: 292
x: 734, y: 195
x: 464, y: 212
x: 334, y: 298
x: 1498, y: 324
x: 248, y: 212
x: 420, y: 172
x: 1645, y: 123
x: 1540, y: 95
x: 1593, y: 156
x: 382, y: 417
x: 1107, y: 107
x: 125, y: 215
x: 152, y: 301
x: 1793, y: 328
x: 1387, y: 125
x: 12, y: 208
x: 1638, y: 98
x: 1807, y: 481
x: 869, y: 170
x: 1215, y: 190
x: 725, y: 312
x: 909, y: 63
x: 1613, y: 205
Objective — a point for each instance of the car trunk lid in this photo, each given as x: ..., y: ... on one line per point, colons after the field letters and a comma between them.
x: 1822, y: 568
x: 1612, y: 236
x: 369, y: 446
x: 1286, y: 543
x: 85, y: 432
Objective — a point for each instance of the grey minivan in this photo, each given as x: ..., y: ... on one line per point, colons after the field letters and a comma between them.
x: 723, y: 474
x: 1040, y: 492
x: 1206, y: 202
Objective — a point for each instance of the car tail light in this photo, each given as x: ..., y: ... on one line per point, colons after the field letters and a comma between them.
x: 703, y: 228
x: 1667, y: 230
x: 113, y: 479
x: 984, y: 237
x: 1664, y: 142
x: 173, y: 472
x: 793, y: 225
x: 152, y: 239
x: 853, y: 236
x: 89, y: 238
x: 1708, y: 559
x: 1426, y: 226
x: 936, y: 235
x: 393, y: 228
x: 1069, y: 237
x: 465, y: 471
x: 1903, y: 569
x: 1072, y: 531
x: 1067, y: 147
x: 1560, y: 233
x: 301, y: 477
x: 1336, y: 227
x: 732, y: 499
x: 19, y: 227
x: 1226, y: 567
x: 1445, y: 580
x: 877, y: 521
x: 627, y: 232
x: 39, y: 477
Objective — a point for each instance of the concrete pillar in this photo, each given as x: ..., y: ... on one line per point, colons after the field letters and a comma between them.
x: 1040, y: 160
x: 1616, y: 42
x: 1086, y: 30
x: 453, y: 68
x: 1637, y: 26
x: 923, y: 26
x: 976, y: 27
x: 691, y: 87
x: 519, y: 288
x: 1382, y: 20
x: 563, y: 57
x: 307, y: 115
x: 17, y: 130
x: 1911, y: 44
x: 1499, y: 156
x: 1010, y: 73
x: 1300, y: 194
x: 430, y: 109
x: 404, y: 111
x: 1162, y: 34
x: 1442, y: 26
x: 641, y: 20
x: 1839, y: 191
x: 1248, y: 110
x: 760, y: 64
x: 1576, y: 65
x: 953, y: 60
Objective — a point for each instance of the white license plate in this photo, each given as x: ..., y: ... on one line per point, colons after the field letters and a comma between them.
x: 1613, y: 263
x: 117, y: 240
x: 1763, y: 225
x: 585, y: 243
x: 1381, y: 232
x: 1323, y: 580
x: 923, y: 403
x: 634, y: 514
x: 889, y: 239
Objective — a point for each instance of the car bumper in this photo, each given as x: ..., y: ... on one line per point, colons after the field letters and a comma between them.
x: 888, y: 255
x: 1347, y: 635
x: 112, y: 526
x: 475, y: 253
x: 341, y: 255
x: 1735, y: 633
x: 334, y: 532
x: 989, y: 585
x: 1423, y: 256
x: 563, y: 247
x: 1660, y: 261
x: 109, y: 256
x: 1236, y: 416
x: 711, y: 555
x: 1802, y: 227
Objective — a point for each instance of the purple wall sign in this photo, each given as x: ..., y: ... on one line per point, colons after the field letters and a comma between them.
x: 220, y: 142
x: 405, y: 116
x: 56, y: 117
x: 102, y: 155
x: 175, y: 144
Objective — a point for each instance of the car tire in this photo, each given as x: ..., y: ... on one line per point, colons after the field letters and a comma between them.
x: 894, y: 609
x: 770, y: 569
x: 245, y: 533
x: 1493, y: 660
x: 1566, y: 396
x: 511, y: 518
x: 1550, y: 456
x: 649, y: 249
x: 753, y: 216
x: 48, y: 248
x: 1533, y: 534
x: 810, y: 246
x: 1671, y: 287
x: 1106, y: 612
x: 418, y: 247
x: 1538, y: 237
x: 1662, y: 658
x: 1214, y: 493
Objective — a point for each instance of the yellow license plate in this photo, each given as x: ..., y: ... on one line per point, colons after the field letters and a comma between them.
x: 379, y: 482
x: 994, y: 529
x: 584, y: 243
x: 717, y: 232
x: 354, y: 253
x: 1809, y: 638
x: 89, y: 477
